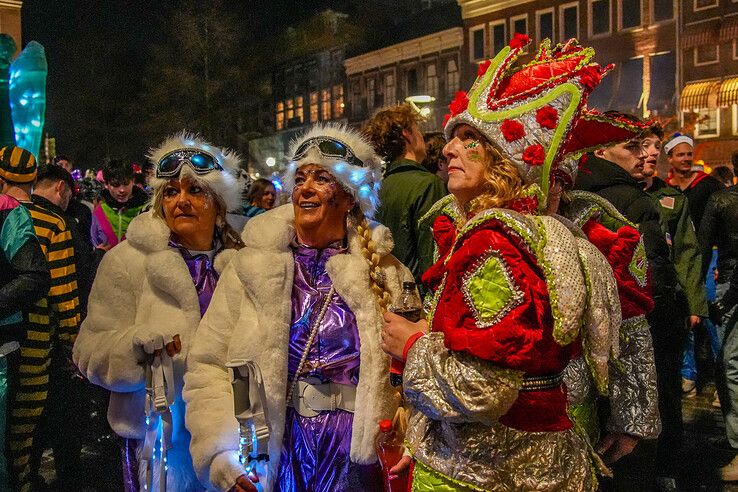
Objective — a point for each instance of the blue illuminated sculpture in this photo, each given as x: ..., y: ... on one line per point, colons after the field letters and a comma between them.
x: 7, y: 49
x: 28, y: 96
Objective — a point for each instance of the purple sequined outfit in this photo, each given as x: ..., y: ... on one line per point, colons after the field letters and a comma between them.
x: 205, y: 279
x: 315, y: 452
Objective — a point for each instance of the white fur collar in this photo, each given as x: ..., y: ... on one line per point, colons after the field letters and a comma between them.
x: 275, y: 231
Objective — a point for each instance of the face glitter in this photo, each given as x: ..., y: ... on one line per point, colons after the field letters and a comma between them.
x: 472, y: 145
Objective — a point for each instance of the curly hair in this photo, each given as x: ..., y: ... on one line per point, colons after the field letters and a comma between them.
x: 503, y: 182
x: 384, y: 130
x: 434, y: 143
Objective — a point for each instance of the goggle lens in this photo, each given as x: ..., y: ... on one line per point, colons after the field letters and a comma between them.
x: 200, y: 162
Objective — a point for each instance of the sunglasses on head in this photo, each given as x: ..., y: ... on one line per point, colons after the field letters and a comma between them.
x: 199, y: 161
x: 328, y: 147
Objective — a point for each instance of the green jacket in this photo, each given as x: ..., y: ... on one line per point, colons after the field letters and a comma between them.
x: 407, y: 192
x: 682, y: 239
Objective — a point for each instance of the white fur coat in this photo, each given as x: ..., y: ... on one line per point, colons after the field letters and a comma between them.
x: 142, y: 287
x: 250, y: 317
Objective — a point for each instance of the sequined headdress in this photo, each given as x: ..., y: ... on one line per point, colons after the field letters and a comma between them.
x: 536, y: 114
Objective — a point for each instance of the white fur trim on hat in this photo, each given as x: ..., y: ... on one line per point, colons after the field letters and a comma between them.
x: 223, y: 183
x: 361, y: 182
x: 669, y: 146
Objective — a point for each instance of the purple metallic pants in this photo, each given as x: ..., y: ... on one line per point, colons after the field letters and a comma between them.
x: 130, y: 465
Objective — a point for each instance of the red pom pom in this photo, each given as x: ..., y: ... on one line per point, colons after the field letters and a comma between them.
x: 590, y: 76
x: 534, y: 155
x: 483, y: 67
x: 519, y: 40
x: 547, y: 117
x: 512, y: 130
x: 459, y: 104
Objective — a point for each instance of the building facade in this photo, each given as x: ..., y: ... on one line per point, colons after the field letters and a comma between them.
x: 425, y: 66
x: 709, y: 73
x: 638, y: 36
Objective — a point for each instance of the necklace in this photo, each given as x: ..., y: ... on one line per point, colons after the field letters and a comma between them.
x: 311, y: 339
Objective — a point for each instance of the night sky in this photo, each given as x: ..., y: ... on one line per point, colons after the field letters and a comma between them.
x: 97, y: 51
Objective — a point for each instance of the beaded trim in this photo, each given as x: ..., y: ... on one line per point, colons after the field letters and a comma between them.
x: 516, y: 295
x: 538, y: 383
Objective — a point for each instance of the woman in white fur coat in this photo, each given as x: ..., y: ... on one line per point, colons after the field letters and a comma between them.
x: 150, y: 293
x: 303, y: 301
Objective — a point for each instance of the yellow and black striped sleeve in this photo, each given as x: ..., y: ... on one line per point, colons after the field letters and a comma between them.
x: 63, y: 296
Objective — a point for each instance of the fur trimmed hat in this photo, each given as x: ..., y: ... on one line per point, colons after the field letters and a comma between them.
x: 361, y: 181
x: 223, y: 183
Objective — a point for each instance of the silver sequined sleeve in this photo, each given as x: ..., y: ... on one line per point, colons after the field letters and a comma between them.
x: 457, y: 387
x: 633, y: 395
x: 580, y: 386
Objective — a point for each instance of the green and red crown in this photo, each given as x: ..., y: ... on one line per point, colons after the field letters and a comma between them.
x: 536, y: 114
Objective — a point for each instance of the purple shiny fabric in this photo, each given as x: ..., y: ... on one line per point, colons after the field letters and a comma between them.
x: 315, y: 452
x: 203, y: 275
x: 130, y: 465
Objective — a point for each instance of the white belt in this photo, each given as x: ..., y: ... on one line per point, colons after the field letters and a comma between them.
x: 309, y: 398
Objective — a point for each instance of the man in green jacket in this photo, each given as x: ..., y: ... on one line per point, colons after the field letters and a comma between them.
x: 678, y: 228
x: 408, y: 190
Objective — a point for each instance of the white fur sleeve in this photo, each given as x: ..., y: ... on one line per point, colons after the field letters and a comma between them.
x: 210, y: 416
x: 103, y: 350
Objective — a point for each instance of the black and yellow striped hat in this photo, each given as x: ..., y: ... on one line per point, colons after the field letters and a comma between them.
x: 17, y: 165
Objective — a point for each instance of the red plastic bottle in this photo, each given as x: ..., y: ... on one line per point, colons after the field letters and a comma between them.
x: 389, y: 450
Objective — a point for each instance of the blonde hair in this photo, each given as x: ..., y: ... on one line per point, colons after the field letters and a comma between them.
x: 229, y: 238
x: 369, y: 252
x: 503, y: 182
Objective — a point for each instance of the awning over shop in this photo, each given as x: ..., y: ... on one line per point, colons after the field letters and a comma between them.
x: 728, y: 94
x: 699, y: 95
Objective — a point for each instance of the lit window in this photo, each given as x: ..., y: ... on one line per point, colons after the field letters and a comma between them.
x: 735, y: 119
x: 706, y: 54
x: 371, y: 93
x: 569, y: 15
x: 290, y: 110
x: 599, y: 13
x: 499, y: 37
x: 338, y: 101
x: 279, y: 115
x: 630, y: 14
x: 299, y: 109
x: 325, y: 96
x: 519, y: 24
x: 431, y: 80
x: 545, y: 21
x: 663, y: 10
x: 707, y: 124
x: 477, y: 43
x: 452, y: 77
x: 389, y: 89
x: 735, y: 48
x: 704, y: 4
x: 313, y: 107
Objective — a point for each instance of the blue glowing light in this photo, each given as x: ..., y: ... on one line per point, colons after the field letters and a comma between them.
x: 28, y: 96
x: 356, y: 176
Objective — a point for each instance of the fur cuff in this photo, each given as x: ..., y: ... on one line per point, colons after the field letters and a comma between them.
x: 225, y: 470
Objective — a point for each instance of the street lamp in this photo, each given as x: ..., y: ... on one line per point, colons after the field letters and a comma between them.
x: 271, y: 161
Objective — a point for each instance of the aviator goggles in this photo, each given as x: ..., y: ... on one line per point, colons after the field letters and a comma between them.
x: 328, y: 147
x: 199, y: 161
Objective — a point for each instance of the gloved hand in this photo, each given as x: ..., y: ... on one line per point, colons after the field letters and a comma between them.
x: 152, y: 343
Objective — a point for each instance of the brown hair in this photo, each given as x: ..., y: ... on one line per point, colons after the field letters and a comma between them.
x: 257, y: 189
x: 227, y: 235
x: 434, y: 144
x: 503, y: 183
x: 384, y: 130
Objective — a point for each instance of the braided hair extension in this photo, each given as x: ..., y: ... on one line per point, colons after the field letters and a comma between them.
x: 369, y: 252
